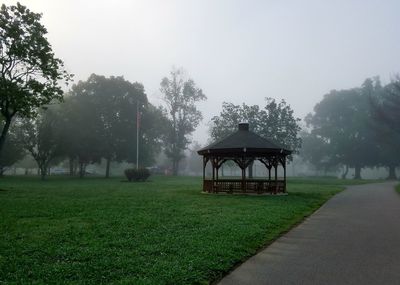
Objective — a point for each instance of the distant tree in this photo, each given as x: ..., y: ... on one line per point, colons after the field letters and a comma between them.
x: 193, y: 160
x: 385, y: 106
x: 27, y: 162
x: 30, y: 74
x: 41, y: 139
x: 180, y: 95
x: 111, y: 109
x: 342, y: 120
x: 315, y: 150
x: 274, y: 121
x: 79, y: 136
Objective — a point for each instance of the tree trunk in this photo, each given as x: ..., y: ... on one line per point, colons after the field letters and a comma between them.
x: 392, y: 173
x: 108, y: 163
x: 43, y: 171
x: 71, y: 166
x: 357, y: 172
x: 4, y: 133
x: 344, y: 174
x: 81, y: 169
x: 175, y: 167
x: 250, y: 169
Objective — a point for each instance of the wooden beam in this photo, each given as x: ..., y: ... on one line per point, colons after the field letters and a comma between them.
x: 284, y: 174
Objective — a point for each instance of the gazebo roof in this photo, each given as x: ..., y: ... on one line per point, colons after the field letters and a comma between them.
x: 244, y: 141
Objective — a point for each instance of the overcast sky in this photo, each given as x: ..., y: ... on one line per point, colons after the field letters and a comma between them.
x: 236, y: 51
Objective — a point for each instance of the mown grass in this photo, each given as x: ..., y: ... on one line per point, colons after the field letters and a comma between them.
x: 159, y: 232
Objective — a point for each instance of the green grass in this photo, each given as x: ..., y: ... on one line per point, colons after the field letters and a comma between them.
x: 160, y: 232
x: 398, y: 188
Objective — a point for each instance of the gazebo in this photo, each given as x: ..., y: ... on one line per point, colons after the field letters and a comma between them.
x: 244, y: 147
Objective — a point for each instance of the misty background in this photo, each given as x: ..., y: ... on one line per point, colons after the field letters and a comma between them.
x: 236, y: 51
x: 330, y: 67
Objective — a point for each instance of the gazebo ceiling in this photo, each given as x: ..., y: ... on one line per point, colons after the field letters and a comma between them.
x: 244, y: 141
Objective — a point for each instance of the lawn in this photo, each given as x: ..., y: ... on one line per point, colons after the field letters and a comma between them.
x: 164, y: 231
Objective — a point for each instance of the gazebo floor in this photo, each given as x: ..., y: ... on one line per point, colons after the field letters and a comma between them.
x: 248, y: 186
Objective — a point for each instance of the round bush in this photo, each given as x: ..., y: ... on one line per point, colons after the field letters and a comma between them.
x: 134, y: 174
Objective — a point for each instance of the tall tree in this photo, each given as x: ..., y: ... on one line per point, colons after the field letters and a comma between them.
x: 315, y: 150
x: 274, y: 121
x: 180, y: 95
x: 30, y: 74
x: 112, y: 109
x: 341, y: 119
x: 40, y: 137
x: 79, y: 136
x: 385, y: 106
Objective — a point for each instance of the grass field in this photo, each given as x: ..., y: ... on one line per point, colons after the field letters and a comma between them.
x: 159, y: 232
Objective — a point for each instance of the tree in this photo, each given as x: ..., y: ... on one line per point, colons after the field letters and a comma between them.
x: 30, y: 74
x: 111, y: 109
x: 40, y: 137
x: 342, y: 120
x: 275, y: 121
x: 385, y: 106
x: 180, y: 95
x: 315, y: 150
x: 193, y: 160
x: 79, y: 136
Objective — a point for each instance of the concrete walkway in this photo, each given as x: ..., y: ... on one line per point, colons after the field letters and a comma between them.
x: 353, y: 239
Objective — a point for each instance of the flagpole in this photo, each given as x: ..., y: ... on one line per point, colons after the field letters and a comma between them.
x: 137, y: 134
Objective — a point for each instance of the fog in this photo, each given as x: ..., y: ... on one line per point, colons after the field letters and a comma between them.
x: 236, y: 51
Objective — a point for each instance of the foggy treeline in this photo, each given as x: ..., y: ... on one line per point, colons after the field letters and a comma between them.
x: 109, y: 120
x: 355, y: 128
x: 98, y: 120
x: 103, y: 119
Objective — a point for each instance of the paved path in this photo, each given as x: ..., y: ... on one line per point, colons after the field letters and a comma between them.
x: 353, y: 239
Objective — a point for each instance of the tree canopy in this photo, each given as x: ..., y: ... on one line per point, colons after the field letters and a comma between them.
x: 180, y: 95
x: 30, y: 74
x: 274, y: 121
x: 101, y: 121
x: 354, y: 129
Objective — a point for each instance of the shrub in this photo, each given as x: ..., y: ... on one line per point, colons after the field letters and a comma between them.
x: 134, y: 174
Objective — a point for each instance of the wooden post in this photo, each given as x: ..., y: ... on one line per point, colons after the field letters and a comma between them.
x: 204, y: 173
x: 244, y: 179
x: 243, y: 167
x: 217, y: 167
x: 276, y: 176
x: 213, y: 174
x: 284, y: 174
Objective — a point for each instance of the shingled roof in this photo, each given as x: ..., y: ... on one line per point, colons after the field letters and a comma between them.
x: 245, y: 141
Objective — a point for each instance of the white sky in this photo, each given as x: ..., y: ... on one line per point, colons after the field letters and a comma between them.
x: 236, y: 51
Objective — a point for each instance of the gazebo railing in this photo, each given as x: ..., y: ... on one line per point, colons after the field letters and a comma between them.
x: 257, y: 186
